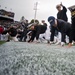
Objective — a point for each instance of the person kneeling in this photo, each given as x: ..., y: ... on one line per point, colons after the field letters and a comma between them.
x: 36, y: 31
x: 63, y: 27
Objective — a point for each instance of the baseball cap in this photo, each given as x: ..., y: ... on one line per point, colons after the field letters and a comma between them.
x: 51, y: 20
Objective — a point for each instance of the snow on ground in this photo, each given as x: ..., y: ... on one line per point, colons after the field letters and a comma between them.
x: 20, y: 58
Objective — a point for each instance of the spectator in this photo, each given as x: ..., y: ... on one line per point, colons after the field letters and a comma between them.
x: 12, y: 32
x: 1, y: 31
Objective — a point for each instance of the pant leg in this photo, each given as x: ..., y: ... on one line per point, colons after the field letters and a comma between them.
x: 59, y: 37
x: 22, y: 35
x: 25, y: 35
x: 47, y: 34
x: 41, y: 37
x: 0, y: 36
x: 67, y: 39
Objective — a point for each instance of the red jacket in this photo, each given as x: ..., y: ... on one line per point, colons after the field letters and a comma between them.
x: 1, y: 30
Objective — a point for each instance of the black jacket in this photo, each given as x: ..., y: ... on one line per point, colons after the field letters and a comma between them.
x: 72, y: 9
x: 64, y: 28
x: 73, y: 28
x: 39, y: 29
x: 12, y: 32
x: 62, y: 14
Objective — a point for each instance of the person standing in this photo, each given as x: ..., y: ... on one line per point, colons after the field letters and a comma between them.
x: 62, y: 12
x: 63, y: 16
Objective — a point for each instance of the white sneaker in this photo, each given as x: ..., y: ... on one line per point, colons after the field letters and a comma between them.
x: 62, y: 43
x: 51, y: 42
x: 58, y: 43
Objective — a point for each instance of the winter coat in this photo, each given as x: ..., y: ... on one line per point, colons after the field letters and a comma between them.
x: 64, y: 28
x: 62, y: 14
x: 38, y: 29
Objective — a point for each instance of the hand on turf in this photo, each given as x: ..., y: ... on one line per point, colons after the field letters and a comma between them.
x: 69, y: 45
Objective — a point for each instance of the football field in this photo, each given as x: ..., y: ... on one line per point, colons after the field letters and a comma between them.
x: 20, y: 58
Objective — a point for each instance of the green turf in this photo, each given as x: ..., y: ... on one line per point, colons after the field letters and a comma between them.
x: 2, y: 42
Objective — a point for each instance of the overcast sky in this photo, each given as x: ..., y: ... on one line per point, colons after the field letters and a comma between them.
x: 25, y: 8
